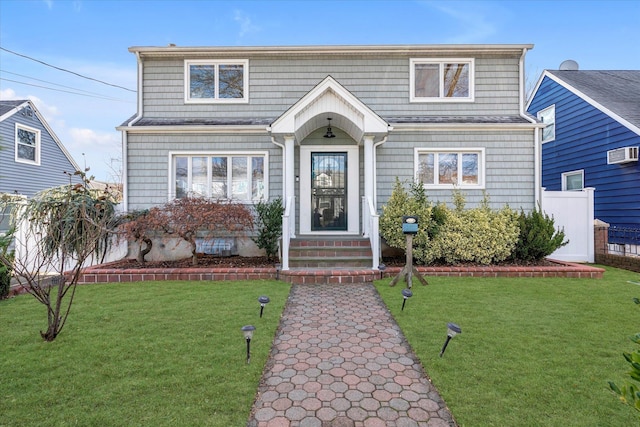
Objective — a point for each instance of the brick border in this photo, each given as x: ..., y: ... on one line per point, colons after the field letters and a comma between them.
x: 100, y: 274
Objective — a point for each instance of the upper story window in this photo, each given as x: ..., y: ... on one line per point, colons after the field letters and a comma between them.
x: 438, y: 80
x: 462, y: 168
x: 27, y: 144
x: 216, y: 81
x: 573, y: 180
x: 548, y: 117
x: 232, y: 176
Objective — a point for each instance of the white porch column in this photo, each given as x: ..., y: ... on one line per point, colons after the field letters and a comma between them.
x: 369, y: 167
x: 288, y: 174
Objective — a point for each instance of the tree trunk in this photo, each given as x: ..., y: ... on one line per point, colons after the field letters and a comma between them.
x: 144, y: 251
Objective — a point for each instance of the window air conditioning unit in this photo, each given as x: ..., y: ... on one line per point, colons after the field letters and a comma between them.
x: 622, y: 155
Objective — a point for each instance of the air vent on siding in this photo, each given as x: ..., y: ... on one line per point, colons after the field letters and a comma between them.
x: 622, y: 155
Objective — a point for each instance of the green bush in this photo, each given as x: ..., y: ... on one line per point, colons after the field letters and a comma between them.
x: 538, y: 236
x: 414, y: 203
x: 478, y: 235
x: 6, y: 262
x: 269, y: 225
x: 629, y: 392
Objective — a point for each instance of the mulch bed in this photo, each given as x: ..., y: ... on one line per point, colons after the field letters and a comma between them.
x: 210, y: 261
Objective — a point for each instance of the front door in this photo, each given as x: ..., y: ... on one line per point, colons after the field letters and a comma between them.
x: 329, y: 191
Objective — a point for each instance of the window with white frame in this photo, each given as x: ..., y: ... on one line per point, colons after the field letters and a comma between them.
x: 548, y: 117
x: 216, y: 81
x: 27, y: 144
x: 441, y: 80
x: 233, y: 176
x: 573, y: 180
x: 450, y: 168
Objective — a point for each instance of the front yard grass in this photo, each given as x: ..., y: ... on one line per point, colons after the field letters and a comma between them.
x: 138, y: 354
x: 532, y: 352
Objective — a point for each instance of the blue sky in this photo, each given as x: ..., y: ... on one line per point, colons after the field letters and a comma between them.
x: 91, y: 38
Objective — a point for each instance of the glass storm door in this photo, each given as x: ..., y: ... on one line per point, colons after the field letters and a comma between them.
x: 329, y: 191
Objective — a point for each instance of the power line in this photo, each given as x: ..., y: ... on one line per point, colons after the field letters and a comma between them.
x: 65, y: 70
x: 51, y: 83
x: 65, y: 91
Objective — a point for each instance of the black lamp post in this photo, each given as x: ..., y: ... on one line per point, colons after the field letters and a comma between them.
x: 452, y: 331
x: 248, y: 334
x: 406, y: 294
x: 263, y: 300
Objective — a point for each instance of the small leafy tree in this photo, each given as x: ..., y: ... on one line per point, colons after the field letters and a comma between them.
x: 65, y: 227
x: 188, y: 216
x: 538, y: 237
x: 629, y: 392
x: 139, y: 226
x: 269, y: 224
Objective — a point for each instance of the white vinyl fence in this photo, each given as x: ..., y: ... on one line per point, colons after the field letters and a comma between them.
x: 573, y: 213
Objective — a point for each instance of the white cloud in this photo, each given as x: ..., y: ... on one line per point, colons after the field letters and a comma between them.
x: 246, y: 26
x: 472, y: 24
x: 93, y: 140
x: 8, y: 94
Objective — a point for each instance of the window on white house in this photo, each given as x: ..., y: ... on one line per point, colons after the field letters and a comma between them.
x: 27, y: 145
x: 462, y: 168
x: 216, y: 81
x: 573, y: 180
x: 441, y: 80
x: 238, y: 177
x: 548, y: 117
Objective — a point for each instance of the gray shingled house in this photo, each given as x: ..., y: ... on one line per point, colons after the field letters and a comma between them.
x: 329, y: 129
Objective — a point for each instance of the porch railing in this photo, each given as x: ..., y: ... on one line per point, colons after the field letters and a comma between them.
x: 370, y: 219
x: 288, y: 231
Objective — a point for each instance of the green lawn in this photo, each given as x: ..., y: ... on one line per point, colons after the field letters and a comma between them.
x: 141, y: 354
x: 533, y: 352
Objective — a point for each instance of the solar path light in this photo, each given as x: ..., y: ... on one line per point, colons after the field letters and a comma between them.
x: 406, y: 294
x: 263, y: 300
x: 452, y: 331
x: 248, y: 334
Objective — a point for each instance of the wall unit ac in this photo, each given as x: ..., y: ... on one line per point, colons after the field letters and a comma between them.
x: 622, y: 155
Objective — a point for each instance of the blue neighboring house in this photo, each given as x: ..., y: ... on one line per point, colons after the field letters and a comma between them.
x: 32, y: 158
x: 592, y: 137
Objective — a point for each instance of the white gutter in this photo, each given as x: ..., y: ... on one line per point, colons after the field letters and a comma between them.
x: 124, y: 129
x: 375, y: 171
x: 522, y: 88
x: 284, y: 187
x: 537, y: 168
x: 140, y: 103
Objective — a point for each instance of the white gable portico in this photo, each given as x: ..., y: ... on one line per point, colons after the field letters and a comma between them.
x: 329, y: 173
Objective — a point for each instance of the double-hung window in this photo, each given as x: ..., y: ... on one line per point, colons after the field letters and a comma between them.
x: 231, y: 176
x: 209, y: 81
x: 548, y: 117
x: 462, y: 168
x: 27, y: 144
x: 437, y: 80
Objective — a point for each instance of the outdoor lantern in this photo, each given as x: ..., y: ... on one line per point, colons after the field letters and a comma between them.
x: 452, y: 331
x: 263, y: 300
x: 248, y: 334
x: 329, y: 133
x: 406, y: 294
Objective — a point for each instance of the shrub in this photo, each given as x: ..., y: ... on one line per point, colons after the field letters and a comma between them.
x: 413, y: 203
x: 269, y: 223
x: 538, y: 236
x: 629, y: 392
x: 477, y: 235
x: 5, y: 270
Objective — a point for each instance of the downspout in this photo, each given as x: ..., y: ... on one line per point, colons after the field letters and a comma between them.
x: 125, y: 137
x: 536, y: 133
x: 284, y: 187
x: 375, y: 172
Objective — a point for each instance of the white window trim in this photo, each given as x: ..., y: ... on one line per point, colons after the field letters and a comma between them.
x: 441, y: 62
x: 481, y: 167
x: 555, y: 128
x: 565, y: 175
x: 187, y: 80
x: 38, y: 144
x: 191, y: 154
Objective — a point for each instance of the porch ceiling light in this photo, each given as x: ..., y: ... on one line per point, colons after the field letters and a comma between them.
x: 329, y: 133
x: 263, y: 300
x: 406, y: 294
x: 452, y: 331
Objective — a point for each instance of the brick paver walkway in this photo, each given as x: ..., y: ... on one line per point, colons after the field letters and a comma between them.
x: 339, y: 359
